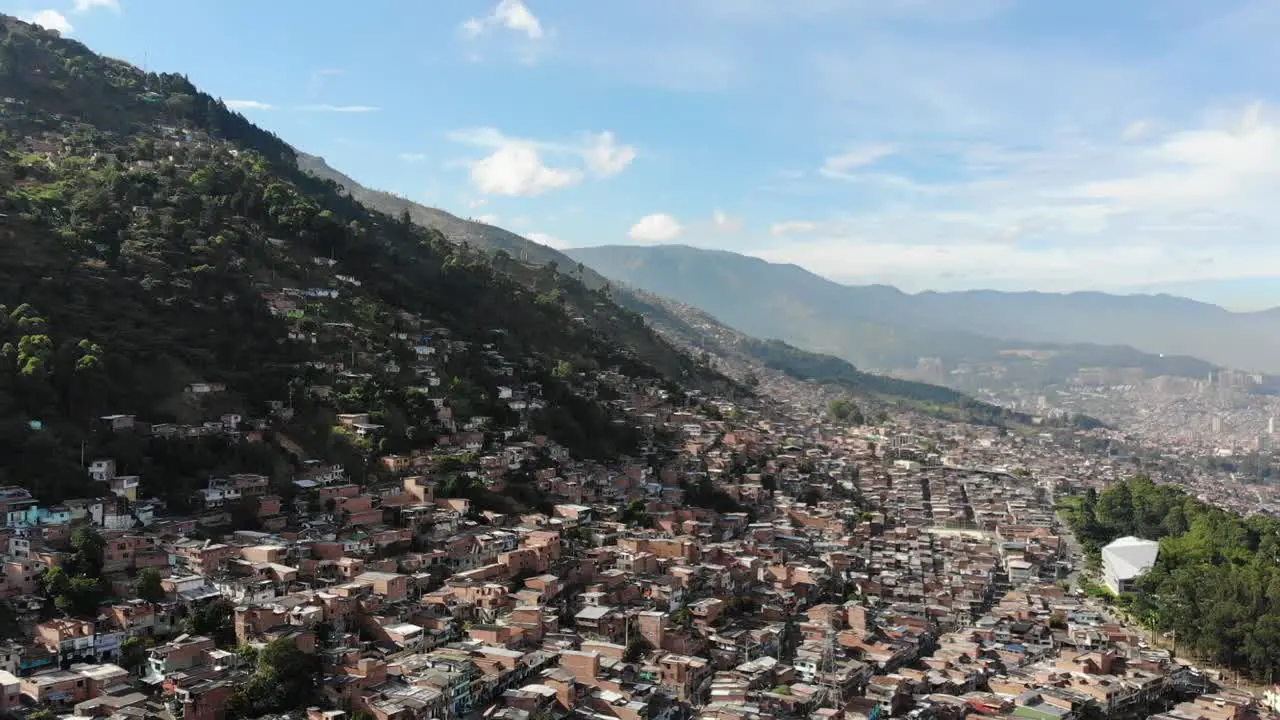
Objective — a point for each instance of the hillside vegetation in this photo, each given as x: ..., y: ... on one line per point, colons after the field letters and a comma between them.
x: 153, y: 238
x: 528, y: 262
x: 1215, y: 585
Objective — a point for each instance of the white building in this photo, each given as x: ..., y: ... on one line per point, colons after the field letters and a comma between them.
x: 1124, y: 560
x: 102, y: 470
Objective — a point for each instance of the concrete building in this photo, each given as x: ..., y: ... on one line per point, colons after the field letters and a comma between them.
x: 1124, y: 560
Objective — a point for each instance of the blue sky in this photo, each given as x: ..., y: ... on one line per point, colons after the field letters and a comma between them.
x: 939, y: 144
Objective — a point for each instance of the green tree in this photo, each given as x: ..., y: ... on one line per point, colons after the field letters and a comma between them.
x: 87, y: 552
x: 148, y: 585
x: 844, y: 410
x: 637, y: 515
x: 55, y: 582
x: 77, y: 596
x: 682, y: 617
x: 133, y: 655
x: 215, y: 619
x: 34, y: 354
x: 563, y: 370
x: 285, y: 678
x: 637, y: 649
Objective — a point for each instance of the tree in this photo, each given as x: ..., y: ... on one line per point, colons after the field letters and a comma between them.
x: 77, y: 596
x: 563, y: 370
x: 244, y: 514
x: 285, y: 678
x: 810, y: 496
x: 844, y: 410
x: 148, y: 585
x: 682, y: 617
x: 34, y: 353
x: 637, y: 648
x: 87, y: 552
x: 215, y: 619
x: 133, y: 655
x: 55, y: 582
x: 637, y: 515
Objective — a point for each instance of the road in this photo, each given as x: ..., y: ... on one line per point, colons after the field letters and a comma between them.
x: 1074, y: 553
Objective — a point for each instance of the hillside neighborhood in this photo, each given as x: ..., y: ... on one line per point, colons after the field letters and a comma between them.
x: 864, y: 572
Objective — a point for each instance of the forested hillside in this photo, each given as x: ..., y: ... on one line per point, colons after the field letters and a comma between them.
x: 154, y: 239
x: 1216, y: 583
x: 933, y: 400
x: 478, y: 235
x: 528, y: 263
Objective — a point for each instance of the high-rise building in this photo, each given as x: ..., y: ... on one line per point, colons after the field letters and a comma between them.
x: 1216, y: 424
x: 1271, y: 425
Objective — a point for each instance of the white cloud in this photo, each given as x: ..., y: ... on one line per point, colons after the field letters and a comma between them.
x: 484, y: 137
x: 838, y: 166
x: 488, y: 219
x: 1238, y: 163
x: 84, y: 6
x: 248, y: 105
x: 513, y: 15
x: 724, y: 224
x: 656, y: 228
x: 516, y: 169
x: 322, y: 107
x: 1095, y: 211
x: 1136, y: 130
x: 49, y: 20
x: 319, y: 79
x: 548, y: 240
x: 985, y: 264
x: 605, y: 157
x: 413, y: 157
x: 516, y: 165
x: 793, y: 227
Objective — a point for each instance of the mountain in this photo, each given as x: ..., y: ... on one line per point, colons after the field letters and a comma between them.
x: 520, y: 258
x: 479, y: 235
x: 752, y: 360
x: 164, y: 258
x: 700, y: 333
x: 877, y: 326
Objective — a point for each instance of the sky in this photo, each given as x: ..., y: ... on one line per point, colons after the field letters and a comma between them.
x: 930, y: 144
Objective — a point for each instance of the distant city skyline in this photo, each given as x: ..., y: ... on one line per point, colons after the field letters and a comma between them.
x: 946, y: 144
